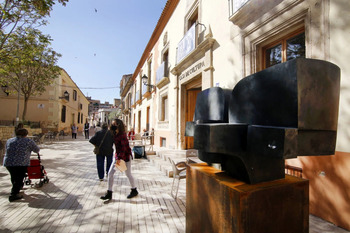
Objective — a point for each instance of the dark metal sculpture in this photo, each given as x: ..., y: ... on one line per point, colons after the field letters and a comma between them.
x: 285, y: 111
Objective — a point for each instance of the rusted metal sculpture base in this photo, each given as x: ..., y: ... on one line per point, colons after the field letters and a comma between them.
x: 216, y: 202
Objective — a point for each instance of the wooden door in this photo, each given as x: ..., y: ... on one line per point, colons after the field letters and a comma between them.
x: 190, y: 107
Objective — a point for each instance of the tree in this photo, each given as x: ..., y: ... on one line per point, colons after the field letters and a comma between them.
x: 31, y: 66
x: 115, y: 114
x: 20, y: 14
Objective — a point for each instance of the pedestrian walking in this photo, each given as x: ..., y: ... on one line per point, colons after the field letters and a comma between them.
x: 86, y: 129
x: 74, y: 131
x: 17, y: 159
x: 123, y: 152
x: 104, y: 140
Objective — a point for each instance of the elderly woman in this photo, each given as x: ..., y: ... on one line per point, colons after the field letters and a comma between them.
x: 17, y: 159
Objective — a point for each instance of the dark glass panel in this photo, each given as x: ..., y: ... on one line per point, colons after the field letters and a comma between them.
x: 296, y: 47
x: 273, y: 55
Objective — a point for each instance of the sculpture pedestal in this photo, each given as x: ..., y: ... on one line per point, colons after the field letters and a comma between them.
x: 216, y: 202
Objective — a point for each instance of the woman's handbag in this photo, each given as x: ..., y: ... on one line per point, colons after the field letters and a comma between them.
x: 97, y: 148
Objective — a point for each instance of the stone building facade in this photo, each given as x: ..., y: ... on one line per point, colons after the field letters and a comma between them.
x: 198, y: 44
x: 61, y: 105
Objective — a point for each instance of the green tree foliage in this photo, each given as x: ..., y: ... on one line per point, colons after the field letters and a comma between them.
x: 20, y: 14
x: 31, y: 66
x: 27, y: 63
x: 116, y: 113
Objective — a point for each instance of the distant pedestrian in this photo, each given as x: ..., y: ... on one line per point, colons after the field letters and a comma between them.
x: 103, y: 139
x: 123, y: 152
x: 86, y: 129
x: 17, y: 159
x: 74, y: 131
x: 131, y: 134
x: 145, y: 133
x: 19, y: 126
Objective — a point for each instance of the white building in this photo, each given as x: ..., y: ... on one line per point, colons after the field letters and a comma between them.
x: 199, y: 44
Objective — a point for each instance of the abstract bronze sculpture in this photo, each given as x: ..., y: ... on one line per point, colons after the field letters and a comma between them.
x: 285, y: 111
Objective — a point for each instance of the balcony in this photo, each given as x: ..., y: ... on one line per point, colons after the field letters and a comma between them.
x: 132, y: 102
x: 187, y: 44
x: 162, y: 75
x: 235, y: 5
x: 192, y: 47
x: 137, y: 97
x: 244, y: 12
x: 146, y: 90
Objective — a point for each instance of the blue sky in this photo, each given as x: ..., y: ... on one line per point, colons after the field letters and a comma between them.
x: 101, y: 40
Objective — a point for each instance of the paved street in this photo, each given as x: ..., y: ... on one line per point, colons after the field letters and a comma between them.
x: 70, y: 201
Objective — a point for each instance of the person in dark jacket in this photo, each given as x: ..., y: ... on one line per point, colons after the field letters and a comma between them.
x: 106, y: 149
x: 86, y: 129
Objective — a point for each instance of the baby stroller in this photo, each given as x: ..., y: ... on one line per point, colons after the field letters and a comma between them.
x: 36, y: 171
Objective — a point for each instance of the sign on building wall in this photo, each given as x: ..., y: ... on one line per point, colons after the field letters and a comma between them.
x: 41, y: 106
x: 192, y: 70
x: 187, y: 44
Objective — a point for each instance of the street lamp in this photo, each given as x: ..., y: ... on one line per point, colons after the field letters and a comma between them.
x: 65, y: 96
x: 145, y: 81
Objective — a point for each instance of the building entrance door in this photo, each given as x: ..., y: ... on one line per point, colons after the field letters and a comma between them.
x: 191, y: 97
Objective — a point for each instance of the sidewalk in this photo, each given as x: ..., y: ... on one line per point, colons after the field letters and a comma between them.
x: 70, y: 201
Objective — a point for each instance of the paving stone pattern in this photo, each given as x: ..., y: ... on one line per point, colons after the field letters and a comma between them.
x: 70, y: 202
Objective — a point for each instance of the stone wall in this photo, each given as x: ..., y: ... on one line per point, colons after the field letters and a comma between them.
x: 7, y: 132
